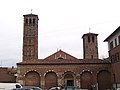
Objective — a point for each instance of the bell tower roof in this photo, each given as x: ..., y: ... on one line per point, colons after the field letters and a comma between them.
x: 30, y: 14
x: 89, y: 34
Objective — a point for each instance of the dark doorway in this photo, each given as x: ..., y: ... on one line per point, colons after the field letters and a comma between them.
x: 68, y: 79
x: 70, y: 83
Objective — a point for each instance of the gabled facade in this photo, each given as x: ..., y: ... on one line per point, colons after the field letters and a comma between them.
x: 62, y: 69
x: 60, y: 55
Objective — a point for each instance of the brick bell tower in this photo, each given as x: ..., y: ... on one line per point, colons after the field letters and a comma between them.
x: 30, y: 37
x: 90, y: 46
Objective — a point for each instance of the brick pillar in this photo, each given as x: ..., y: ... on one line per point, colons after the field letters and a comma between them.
x: 94, y: 83
x: 59, y: 80
x: 42, y: 81
x: 77, y: 81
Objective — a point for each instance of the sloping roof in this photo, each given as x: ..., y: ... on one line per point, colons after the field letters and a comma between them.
x: 60, y: 55
x: 64, y: 62
x: 30, y: 14
x: 62, y: 58
x: 89, y: 34
x: 116, y: 31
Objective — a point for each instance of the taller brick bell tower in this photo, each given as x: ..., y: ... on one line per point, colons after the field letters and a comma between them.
x: 90, y: 46
x: 30, y: 37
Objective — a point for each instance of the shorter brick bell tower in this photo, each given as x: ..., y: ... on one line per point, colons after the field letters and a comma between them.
x: 90, y: 46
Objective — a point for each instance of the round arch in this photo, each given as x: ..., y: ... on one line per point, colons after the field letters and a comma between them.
x: 68, y: 78
x: 104, y: 79
x: 51, y: 80
x: 86, y: 80
x: 32, y: 78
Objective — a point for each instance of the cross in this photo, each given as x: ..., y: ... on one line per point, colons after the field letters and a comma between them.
x: 31, y: 11
x: 89, y: 29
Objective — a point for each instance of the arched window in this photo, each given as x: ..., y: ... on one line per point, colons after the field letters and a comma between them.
x: 33, y: 21
x: 30, y: 21
x: 26, y: 21
x: 93, y: 39
x: 60, y: 58
x: 88, y: 38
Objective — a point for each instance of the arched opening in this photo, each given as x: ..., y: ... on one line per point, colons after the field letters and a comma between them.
x: 88, y: 38
x: 32, y: 78
x: 104, y: 79
x: 93, y: 39
x: 60, y: 58
x: 26, y: 21
x: 51, y: 80
x: 86, y: 80
x: 68, y: 79
x: 30, y: 21
x: 33, y: 21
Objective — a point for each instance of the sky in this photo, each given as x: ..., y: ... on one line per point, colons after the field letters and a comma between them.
x: 61, y: 26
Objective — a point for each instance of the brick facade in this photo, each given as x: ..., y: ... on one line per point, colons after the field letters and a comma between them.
x: 61, y: 68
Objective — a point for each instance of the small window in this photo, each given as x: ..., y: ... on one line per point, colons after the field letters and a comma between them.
x: 115, y: 42
x: 111, y: 45
x: 91, y: 56
x: 119, y: 39
x: 60, y: 58
x: 116, y: 56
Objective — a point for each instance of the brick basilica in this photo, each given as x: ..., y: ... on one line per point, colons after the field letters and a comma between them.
x: 61, y: 68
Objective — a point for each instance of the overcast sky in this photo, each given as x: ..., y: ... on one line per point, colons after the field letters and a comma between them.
x: 61, y: 26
